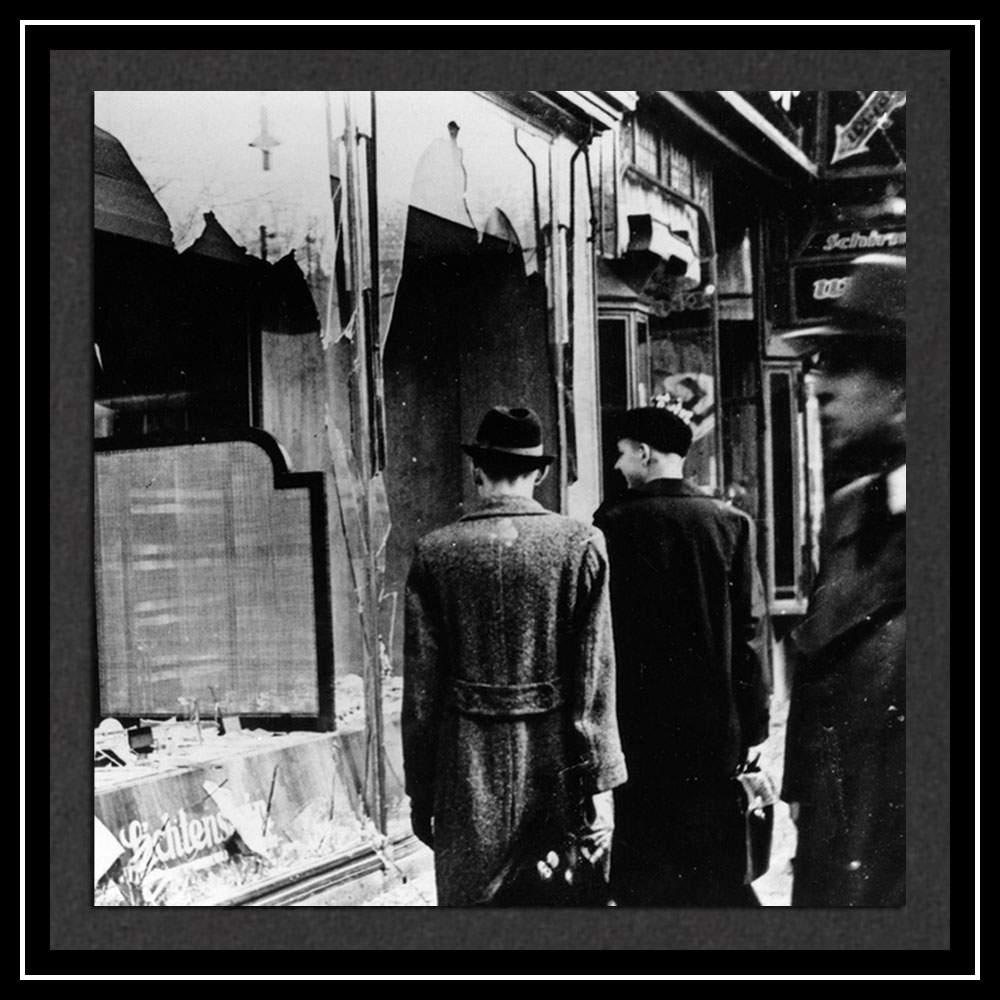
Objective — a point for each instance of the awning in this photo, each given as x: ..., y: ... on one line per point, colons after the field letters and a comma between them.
x: 654, y: 246
x: 123, y: 202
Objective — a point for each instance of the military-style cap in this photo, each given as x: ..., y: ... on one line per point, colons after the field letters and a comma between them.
x: 873, y: 306
x: 511, y: 433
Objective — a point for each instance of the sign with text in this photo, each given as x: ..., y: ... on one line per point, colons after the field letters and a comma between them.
x: 866, y: 129
x: 815, y: 287
x: 854, y: 240
x: 852, y: 138
x: 179, y: 817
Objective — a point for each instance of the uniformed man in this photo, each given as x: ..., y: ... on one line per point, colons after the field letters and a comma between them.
x: 845, y: 744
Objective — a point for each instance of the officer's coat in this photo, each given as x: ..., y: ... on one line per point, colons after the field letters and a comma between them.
x: 845, y: 746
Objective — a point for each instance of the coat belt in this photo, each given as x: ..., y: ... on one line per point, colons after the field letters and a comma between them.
x: 506, y: 700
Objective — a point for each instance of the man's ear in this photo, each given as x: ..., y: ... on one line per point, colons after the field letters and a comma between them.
x: 543, y: 474
x: 646, y: 453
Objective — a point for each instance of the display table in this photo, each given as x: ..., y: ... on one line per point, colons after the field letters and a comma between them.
x: 195, y: 805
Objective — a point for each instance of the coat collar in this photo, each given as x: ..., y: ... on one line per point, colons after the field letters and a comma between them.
x: 867, y: 501
x: 666, y: 488
x: 505, y: 507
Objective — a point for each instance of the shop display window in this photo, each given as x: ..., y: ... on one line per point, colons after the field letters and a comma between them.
x: 418, y: 225
x: 789, y: 499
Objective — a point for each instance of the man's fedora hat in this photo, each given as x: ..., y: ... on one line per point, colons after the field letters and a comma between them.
x: 873, y: 306
x: 510, y: 433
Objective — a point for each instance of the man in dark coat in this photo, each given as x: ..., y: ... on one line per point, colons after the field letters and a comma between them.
x: 691, y: 695
x: 845, y: 744
x: 508, y: 716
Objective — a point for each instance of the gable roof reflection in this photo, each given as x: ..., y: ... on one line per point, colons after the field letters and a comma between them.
x: 216, y: 242
x: 123, y: 201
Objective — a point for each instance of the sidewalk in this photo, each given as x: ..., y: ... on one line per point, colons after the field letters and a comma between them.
x: 418, y: 889
x: 773, y: 889
x: 413, y: 883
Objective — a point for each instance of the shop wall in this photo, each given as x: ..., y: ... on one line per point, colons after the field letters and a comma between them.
x: 584, y: 495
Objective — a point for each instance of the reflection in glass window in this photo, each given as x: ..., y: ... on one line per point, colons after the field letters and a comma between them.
x: 257, y: 160
x: 647, y: 154
x: 463, y: 206
x: 680, y: 171
x: 683, y: 373
x: 782, y: 413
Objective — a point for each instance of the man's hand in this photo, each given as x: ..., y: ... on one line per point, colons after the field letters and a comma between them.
x: 422, y: 823
x: 599, y: 826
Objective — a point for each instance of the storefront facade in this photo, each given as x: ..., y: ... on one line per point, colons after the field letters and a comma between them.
x: 293, y: 336
x: 727, y: 220
x: 306, y: 301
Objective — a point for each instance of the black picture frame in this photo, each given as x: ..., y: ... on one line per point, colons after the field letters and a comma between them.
x: 284, y: 479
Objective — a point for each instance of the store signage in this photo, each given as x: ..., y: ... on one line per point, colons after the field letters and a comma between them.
x: 693, y: 301
x: 872, y: 240
x: 816, y: 287
x: 184, y: 816
x: 182, y: 836
x: 853, y: 137
x: 829, y: 288
x: 830, y: 242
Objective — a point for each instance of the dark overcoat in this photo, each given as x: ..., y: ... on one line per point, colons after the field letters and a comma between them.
x: 509, y: 683
x: 691, y: 691
x: 845, y: 744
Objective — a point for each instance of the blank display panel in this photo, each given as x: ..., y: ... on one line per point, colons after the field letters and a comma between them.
x: 204, y: 581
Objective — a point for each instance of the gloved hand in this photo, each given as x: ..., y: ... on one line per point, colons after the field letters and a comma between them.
x: 422, y: 822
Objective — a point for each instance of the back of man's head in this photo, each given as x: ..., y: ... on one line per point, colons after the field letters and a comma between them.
x: 659, y: 428
x: 500, y: 468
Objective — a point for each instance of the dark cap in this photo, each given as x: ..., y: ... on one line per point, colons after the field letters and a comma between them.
x: 512, y: 433
x: 873, y: 306
x: 661, y: 429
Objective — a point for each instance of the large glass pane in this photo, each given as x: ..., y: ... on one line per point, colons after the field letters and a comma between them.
x: 463, y: 196
x: 198, y: 597
x: 647, y: 153
x: 258, y: 161
x: 683, y: 374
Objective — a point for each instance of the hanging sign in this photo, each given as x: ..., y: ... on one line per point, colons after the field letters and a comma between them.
x: 853, y: 137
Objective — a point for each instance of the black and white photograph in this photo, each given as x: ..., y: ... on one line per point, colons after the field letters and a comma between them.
x: 499, y: 500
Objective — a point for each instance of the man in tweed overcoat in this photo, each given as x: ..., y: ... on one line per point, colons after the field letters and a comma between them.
x: 509, y: 681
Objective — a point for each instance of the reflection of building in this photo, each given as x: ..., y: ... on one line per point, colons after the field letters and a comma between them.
x: 578, y: 252
x: 727, y: 219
